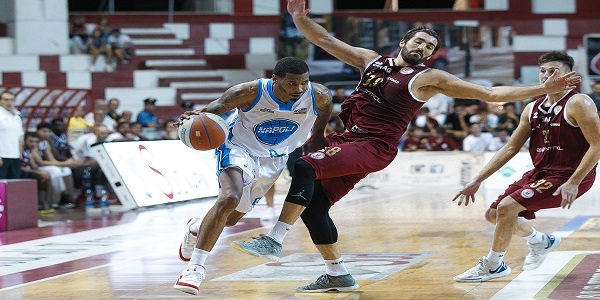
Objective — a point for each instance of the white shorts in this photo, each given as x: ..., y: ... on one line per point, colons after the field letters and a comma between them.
x: 259, y: 173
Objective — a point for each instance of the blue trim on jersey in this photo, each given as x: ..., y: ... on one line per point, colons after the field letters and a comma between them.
x: 258, y: 95
x: 314, y: 99
x: 222, y: 155
x: 230, y: 127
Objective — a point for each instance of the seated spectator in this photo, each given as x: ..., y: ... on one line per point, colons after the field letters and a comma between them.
x: 59, y: 140
x: 121, y: 45
x: 509, y: 119
x: 424, y: 121
x: 126, y: 116
x: 77, y: 124
x: 499, y: 140
x: 415, y: 140
x: 100, y: 115
x: 112, y: 109
x: 457, y: 124
x: 45, y: 157
x: 121, y: 134
x: 169, y: 131
x: 97, y: 44
x: 78, y: 36
x: 439, y: 141
x: 82, y: 152
x: 488, y: 121
x: 438, y: 106
x: 146, y: 117
x: 52, y: 174
x: 477, y: 141
x: 135, y: 128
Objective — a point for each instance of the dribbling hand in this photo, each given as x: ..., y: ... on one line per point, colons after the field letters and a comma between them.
x: 186, y: 115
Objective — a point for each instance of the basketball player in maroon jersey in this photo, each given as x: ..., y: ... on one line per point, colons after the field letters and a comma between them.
x: 375, y: 115
x: 564, y: 133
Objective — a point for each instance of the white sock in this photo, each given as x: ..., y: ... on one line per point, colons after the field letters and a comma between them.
x: 198, y: 257
x: 535, y: 237
x: 279, y: 231
x: 336, y: 267
x: 495, y: 257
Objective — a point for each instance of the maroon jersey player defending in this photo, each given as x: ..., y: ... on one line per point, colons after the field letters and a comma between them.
x: 375, y: 115
x: 564, y: 132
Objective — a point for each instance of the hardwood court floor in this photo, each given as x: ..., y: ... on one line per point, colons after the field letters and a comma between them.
x: 399, y: 244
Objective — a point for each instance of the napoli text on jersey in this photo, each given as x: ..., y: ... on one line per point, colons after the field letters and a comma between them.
x: 270, y: 127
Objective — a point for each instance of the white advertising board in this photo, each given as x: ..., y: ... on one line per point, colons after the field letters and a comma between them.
x: 146, y: 173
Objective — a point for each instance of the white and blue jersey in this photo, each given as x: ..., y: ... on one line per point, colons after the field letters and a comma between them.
x: 270, y: 127
x: 261, y: 137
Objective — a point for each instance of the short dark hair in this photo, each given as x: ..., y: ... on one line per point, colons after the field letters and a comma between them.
x: 44, y: 125
x: 557, y: 56
x: 32, y: 134
x: 409, y: 35
x: 292, y: 65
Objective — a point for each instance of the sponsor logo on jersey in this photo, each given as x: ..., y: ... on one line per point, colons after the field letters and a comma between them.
x: 357, y: 129
x: 393, y: 80
x: 406, y: 70
x: 273, y: 132
x: 380, y: 65
x: 557, y: 109
x: 555, y: 124
x: 267, y: 110
x: 535, y: 115
x: 527, y: 193
x: 301, y: 111
x: 317, y: 155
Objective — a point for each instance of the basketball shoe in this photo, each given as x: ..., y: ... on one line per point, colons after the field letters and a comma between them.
x: 263, y: 246
x: 188, y: 243
x: 483, y: 271
x: 537, y: 252
x: 190, y: 279
x: 328, y: 283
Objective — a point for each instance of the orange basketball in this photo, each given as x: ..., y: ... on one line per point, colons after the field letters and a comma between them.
x: 203, y: 132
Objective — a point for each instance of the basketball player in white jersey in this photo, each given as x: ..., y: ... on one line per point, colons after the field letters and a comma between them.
x: 272, y: 117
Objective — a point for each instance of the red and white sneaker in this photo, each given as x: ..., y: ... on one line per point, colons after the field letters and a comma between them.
x: 188, y: 243
x: 190, y: 279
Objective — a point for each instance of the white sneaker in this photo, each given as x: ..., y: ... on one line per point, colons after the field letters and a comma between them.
x: 188, y: 243
x: 482, y: 271
x: 190, y: 279
x: 537, y: 252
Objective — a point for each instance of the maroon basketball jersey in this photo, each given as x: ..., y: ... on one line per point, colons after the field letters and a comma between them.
x: 555, y: 144
x: 381, y: 105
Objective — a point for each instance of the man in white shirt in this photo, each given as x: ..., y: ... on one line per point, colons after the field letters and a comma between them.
x: 477, y: 141
x: 11, y: 135
x: 121, y: 46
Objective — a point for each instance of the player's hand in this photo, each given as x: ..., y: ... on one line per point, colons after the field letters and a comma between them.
x: 556, y: 83
x: 297, y: 8
x: 568, y: 192
x: 467, y: 193
x: 186, y: 115
x: 314, y: 143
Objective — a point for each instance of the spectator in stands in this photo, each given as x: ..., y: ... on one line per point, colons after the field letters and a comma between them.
x: 82, y: 152
x: 424, y: 121
x: 439, y: 141
x: 415, y: 140
x: 438, y: 106
x: 170, y: 131
x: 135, y: 128
x: 121, y: 46
x: 457, y: 124
x: 11, y: 135
x: 509, y: 119
x: 31, y: 170
x: 44, y: 157
x: 126, y: 116
x: 595, y: 94
x: 488, y: 121
x: 500, y: 139
x: 477, y: 141
x: 78, y: 35
x: 113, y: 106
x: 59, y: 140
x: 77, y: 123
x: 97, y: 45
x: 100, y: 115
x: 121, y: 134
x: 103, y: 25
x: 146, y: 117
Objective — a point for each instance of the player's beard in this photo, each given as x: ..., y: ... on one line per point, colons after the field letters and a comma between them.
x: 411, y: 59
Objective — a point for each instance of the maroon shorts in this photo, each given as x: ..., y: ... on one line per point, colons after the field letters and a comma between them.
x: 534, y: 190
x: 349, y: 158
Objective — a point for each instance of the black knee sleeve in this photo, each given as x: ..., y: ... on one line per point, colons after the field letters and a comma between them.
x: 303, y: 182
x: 317, y: 220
